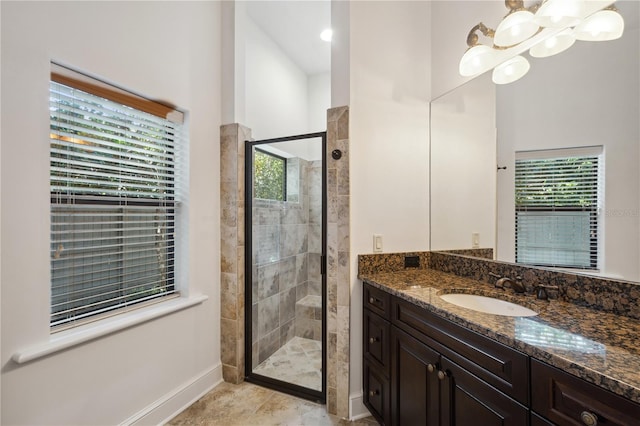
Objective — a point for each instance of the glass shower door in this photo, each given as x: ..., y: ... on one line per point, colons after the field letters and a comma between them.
x: 285, y: 222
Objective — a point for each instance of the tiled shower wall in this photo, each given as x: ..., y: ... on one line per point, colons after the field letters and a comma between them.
x: 283, y: 234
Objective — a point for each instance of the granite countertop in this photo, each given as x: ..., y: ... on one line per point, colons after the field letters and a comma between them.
x: 597, y: 346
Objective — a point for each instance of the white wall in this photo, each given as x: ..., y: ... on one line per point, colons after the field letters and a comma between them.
x: 463, y: 166
x: 165, y: 50
x: 319, y: 101
x: 588, y: 95
x: 280, y: 99
x: 389, y: 136
x: 276, y: 98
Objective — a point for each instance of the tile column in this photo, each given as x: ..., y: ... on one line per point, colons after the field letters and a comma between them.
x: 232, y: 142
x: 338, y: 263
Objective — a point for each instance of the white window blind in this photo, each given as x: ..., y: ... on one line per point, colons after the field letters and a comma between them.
x: 558, y: 197
x: 113, y: 204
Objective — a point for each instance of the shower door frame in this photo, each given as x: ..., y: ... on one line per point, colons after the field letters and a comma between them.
x: 250, y: 376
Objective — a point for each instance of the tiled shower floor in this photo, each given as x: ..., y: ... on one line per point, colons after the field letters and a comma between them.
x: 299, y: 362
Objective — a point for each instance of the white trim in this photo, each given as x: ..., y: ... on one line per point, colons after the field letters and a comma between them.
x: 357, y: 410
x: 86, y: 333
x: 579, y: 151
x: 176, y: 401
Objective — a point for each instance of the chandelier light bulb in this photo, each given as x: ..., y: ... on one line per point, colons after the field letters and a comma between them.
x: 510, y: 70
x: 476, y: 60
x: 553, y: 45
x: 601, y: 26
x: 515, y: 28
x: 559, y: 13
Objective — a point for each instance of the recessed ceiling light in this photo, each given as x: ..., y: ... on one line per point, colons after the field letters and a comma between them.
x: 326, y: 35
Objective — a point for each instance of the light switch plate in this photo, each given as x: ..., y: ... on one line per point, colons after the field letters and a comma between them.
x: 475, y: 240
x: 377, y: 243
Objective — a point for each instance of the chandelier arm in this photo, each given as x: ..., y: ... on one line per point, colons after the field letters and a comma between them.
x: 472, y: 37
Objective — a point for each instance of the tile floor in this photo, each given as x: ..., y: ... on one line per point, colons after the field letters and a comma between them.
x: 299, y: 362
x: 247, y: 404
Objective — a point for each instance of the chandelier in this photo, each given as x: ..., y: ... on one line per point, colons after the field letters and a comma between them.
x: 546, y: 28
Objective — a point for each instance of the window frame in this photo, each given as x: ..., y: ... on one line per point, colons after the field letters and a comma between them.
x: 284, y: 174
x: 168, y: 203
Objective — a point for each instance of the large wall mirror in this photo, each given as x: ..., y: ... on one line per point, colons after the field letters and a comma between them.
x: 583, y: 100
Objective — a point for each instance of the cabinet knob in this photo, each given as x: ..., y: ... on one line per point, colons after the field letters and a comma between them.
x: 373, y: 393
x: 589, y: 419
x: 442, y: 375
x: 372, y: 300
x: 373, y: 339
x: 431, y: 368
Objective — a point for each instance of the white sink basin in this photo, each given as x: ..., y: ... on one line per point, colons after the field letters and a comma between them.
x: 488, y: 305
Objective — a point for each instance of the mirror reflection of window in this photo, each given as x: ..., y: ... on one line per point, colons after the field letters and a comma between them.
x: 557, y: 199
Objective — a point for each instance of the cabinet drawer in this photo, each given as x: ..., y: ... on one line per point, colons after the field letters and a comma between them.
x: 377, y: 396
x: 377, y: 301
x: 499, y: 365
x: 376, y: 340
x: 568, y: 400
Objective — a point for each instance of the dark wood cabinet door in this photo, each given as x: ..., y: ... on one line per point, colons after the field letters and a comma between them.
x: 467, y: 400
x: 415, y: 393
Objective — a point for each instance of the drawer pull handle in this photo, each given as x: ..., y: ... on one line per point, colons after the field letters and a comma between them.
x: 431, y: 368
x: 589, y: 419
x: 373, y: 393
x: 373, y: 339
x: 442, y: 375
x: 373, y: 300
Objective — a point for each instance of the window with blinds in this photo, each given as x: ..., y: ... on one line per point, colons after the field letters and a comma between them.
x: 557, y: 204
x: 113, y: 198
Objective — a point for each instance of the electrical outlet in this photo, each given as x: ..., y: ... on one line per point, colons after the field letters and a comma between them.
x: 411, y: 261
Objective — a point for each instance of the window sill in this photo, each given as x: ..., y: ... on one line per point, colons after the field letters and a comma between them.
x: 79, y: 335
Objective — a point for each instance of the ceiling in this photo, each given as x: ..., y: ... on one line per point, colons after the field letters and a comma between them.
x: 296, y: 26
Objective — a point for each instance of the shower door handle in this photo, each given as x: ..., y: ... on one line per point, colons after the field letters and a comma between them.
x: 323, y: 264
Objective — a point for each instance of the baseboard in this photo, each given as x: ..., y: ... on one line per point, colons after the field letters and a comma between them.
x: 357, y: 410
x: 171, y: 404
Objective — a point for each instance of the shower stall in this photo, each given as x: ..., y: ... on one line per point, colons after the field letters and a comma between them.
x: 285, y: 231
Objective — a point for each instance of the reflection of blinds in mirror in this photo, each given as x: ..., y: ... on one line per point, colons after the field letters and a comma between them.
x: 557, y: 199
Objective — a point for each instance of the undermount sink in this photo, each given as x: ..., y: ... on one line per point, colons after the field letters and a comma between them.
x: 488, y: 305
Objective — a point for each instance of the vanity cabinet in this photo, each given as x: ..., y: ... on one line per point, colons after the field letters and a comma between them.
x: 422, y: 369
x: 564, y: 399
x: 437, y: 373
